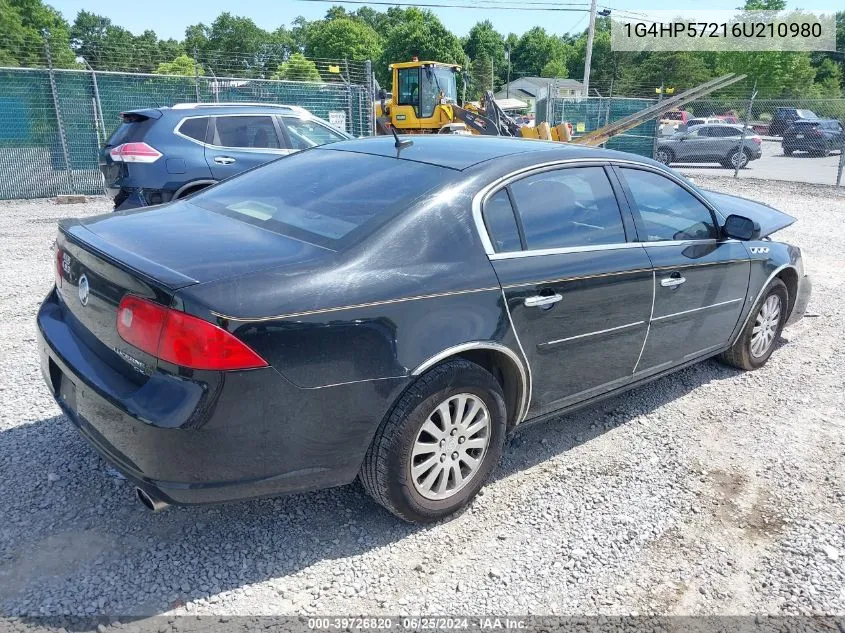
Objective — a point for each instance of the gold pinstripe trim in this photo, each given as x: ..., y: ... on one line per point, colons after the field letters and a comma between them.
x: 352, y: 307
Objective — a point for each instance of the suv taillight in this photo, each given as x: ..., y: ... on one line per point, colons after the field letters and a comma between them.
x: 180, y: 338
x: 134, y: 153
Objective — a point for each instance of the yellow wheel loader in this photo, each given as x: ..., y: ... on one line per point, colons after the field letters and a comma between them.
x: 424, y: 100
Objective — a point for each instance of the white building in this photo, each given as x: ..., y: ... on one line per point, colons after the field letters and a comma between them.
x: 529, y: 89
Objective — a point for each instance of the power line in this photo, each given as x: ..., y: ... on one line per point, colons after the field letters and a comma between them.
x: 484, y: 5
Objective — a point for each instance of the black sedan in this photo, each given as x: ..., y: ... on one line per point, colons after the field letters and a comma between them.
x: 392, y: 313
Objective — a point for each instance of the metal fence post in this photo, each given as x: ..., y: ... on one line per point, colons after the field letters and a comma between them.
x: 745, y: 128
x: 657, y: 125
x: 371, y: 96
x: 348, y: 83
x: 98, y: 108
x: 59, y: 121
x: 841, y: 163
x: 197, y: 75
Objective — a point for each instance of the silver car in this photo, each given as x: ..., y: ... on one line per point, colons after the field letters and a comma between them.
x: 711, y: 143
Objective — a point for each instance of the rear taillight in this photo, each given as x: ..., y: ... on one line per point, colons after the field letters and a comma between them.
x: 134, y: 153
x: 757, y: 140
x: 59, y: 266
x: 180, y: 338
x: 817, y: 132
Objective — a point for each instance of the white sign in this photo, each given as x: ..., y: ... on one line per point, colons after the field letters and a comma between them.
x: 338, y: 119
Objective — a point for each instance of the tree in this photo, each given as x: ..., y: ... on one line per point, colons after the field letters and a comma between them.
x: 555, y: 68
x: 420, y: 35
x: 342, y: 38
x: 535, y: 49
x: 483, y: 38
x: 24, y: 24
x: 676, y: 69
x: 236, y: 46
x: 181, y: 65
x: 480, y: 75
x: 298, y: 68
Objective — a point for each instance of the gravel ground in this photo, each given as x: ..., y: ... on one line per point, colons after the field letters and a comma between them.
x: 708, y: 492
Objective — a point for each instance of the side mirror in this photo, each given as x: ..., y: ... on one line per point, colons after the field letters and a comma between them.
x: 741, y: 228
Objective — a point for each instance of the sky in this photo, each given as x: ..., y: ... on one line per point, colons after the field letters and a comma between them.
x: 168, y: 18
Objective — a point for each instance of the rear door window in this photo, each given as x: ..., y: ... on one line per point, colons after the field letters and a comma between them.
x: 501, y: 223
x: 665, y: 211
x: 324, y: 197
x: 253, y: 131
x: 568, y: 207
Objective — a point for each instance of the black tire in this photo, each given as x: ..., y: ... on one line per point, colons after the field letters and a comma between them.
x: 740, y: 355
x: 735, y: 153
x: 385, y: 473
x: 787, y: 151
x: 664, y: 156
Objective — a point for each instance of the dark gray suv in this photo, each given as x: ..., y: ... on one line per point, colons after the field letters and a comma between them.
x: 161, y: 154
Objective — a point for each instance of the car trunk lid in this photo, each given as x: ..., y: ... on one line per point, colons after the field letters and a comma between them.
x: 180, y: 244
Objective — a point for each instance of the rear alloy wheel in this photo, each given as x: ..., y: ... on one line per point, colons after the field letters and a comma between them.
x: 738, y: 157
x: 438, y: 445
x: 663, y: 156
x: 756, y: 342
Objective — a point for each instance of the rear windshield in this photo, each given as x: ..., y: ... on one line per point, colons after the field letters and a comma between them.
x: 806, y: 114
x: 806, y: 124
x: 328, y: 198
x: 131, y: 129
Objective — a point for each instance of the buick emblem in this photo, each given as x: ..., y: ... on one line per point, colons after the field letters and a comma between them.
x: 83, y: 290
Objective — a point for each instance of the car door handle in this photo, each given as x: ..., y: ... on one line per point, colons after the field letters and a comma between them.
x: 542, y: 300
x: 224, y: 160
x: 672, y: 282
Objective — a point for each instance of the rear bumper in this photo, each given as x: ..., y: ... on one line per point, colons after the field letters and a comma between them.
x: 802, y: 298
x: 210, y: 438
x: 805, y: 145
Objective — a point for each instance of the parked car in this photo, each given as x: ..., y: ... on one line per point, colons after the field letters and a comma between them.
x: 712, y: 143
x: 712, y: 120
x: 727, y: 118
x: 819, y: 137
x: 162, y: 154
x: 674, y: 121
x: 392, y: 313
x: 784, y: 117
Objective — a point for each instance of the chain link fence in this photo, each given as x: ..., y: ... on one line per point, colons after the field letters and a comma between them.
x: 735, y: 133
x: 53, y: 122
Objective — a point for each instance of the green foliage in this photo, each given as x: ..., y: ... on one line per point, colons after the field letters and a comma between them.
x: 23, y: 27
x: 298, y: 68
x: 181, y: 65
x: 236, y: 46
x: 342, y: 38
x: 484, y: 39
x: 535, y: 49
x: 555, y: 68
x: 480, y: 75
x: 419, y: 33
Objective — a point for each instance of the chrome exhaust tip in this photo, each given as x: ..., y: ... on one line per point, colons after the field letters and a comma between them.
x: 149, y: 502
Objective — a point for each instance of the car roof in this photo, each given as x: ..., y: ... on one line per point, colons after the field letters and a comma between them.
x: 462, y: 151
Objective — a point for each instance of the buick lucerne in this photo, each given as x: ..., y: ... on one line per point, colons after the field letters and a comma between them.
x: 391, y: 311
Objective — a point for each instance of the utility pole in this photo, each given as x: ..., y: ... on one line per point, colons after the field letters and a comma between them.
x: 508, y: 85
x: 590, y: 34
x: 492, y: 73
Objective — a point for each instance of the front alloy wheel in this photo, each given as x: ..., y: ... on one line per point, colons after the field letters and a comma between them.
x: 756, y: 342
x: 663, y: 156
x: 765, y: 326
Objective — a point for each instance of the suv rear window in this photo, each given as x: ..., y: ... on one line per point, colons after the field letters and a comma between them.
x: 806, y: 124
x: 324, y: 197
x: 194, y: 128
